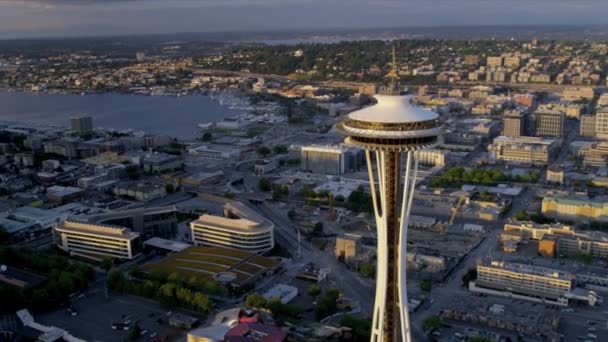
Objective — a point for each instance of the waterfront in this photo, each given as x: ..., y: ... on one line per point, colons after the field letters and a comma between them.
x: 176, y: 116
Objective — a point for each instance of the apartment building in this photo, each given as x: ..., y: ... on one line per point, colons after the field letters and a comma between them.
x: 96, y: 241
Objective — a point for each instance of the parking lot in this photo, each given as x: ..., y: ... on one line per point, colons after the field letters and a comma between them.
x: 96, y: 314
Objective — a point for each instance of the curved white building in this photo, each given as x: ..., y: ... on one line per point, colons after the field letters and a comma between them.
x: 241, y: 228
x: 391, y: 132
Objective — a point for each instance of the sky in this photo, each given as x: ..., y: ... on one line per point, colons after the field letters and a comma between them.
x: 44, y: 18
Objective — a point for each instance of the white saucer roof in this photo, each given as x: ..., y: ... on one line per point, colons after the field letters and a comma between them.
x: 393, y: 109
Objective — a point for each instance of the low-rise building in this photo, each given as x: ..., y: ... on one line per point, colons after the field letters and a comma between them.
x: 241, y: 228
x: 578, y: 93
x: 528, y: 282
x: 576, y: 208
x: 160, y: 162
x: 140, y: 190
x: 432, y: 157
x: 63, y: 194
x: 96, y: 241
x: 529, y: 150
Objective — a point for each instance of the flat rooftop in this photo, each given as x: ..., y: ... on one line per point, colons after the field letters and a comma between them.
x: 97, y: 229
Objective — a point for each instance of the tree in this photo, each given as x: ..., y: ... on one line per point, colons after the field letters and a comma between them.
x: 5, y: 237
x: 279, y: 149
x: 426, y: 285
x: 264, y: 184
x: 201, y: 302
x: 255, y: 300
x: 169, y: 188
x: 314, y: 290
x: 362, y: 327
x: 367, y: 269
x: 318, y: 230
x: 263, y: 151
x: 134, y: 332
x: 106, y: 264
x: 207, y: 136
x: 431, y: 324
x: 291, y: 214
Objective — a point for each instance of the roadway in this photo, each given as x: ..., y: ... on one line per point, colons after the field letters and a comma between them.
x: 350, y: 283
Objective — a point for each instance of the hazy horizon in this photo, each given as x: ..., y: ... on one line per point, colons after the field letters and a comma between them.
x: 58, y: 18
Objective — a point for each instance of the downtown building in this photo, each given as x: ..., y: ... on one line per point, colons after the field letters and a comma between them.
x: 96, y: 241
x: 547, y: 123
x: 241, y: 228
x: 514, y: 123
x: 332, y: 159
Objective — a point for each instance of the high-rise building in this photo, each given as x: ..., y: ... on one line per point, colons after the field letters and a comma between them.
x: 81, y: 123
x: 241, y: 228
x: 587, y: 126
x: 547, y: 123
x: 97, y: 241
x: 391, y: 132
x: 514, y: 123
x: 494, y: 61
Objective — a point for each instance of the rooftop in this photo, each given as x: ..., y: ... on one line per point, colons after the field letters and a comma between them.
x: 393, y: 109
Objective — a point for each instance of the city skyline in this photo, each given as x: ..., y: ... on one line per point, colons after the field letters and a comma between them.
x: 55, y: 18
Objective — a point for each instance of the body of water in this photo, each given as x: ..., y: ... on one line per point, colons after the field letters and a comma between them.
x: 175, y: 116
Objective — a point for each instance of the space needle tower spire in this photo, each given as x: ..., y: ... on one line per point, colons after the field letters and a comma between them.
x: 391, y: 132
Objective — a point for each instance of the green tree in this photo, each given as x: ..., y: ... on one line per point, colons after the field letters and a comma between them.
x: 263, y: 151
x: 431, y: 324
x: 291, y: 214
x: 5, y: 237
x: 169, y: 188
x: 201, y: 302
x: 314, y: 290
x: 279, y: 149
x: 255, y: 300
x: 367, y: 269
x: 207, y: 136
x: 106, y: 264
x: 426, y: 285
x: 318, y: 229
x: 264, y: 184
x: 134, y: 332
x: 361, y: 327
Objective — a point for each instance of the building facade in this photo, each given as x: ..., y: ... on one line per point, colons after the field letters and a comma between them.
x: 81, y: 123
x: 241, y: 228
x: 587, y: 126
x: 530, y: 150
x: 432, y: 157
x: 601, y: 123
x: 575, y: 208
x: 525, y: 280
x: 331, y: 160
x: 514, y: 123
x: 96, y: 241
x: 547, y: 123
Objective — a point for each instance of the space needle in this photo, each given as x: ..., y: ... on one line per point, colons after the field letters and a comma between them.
x: 391, y: 132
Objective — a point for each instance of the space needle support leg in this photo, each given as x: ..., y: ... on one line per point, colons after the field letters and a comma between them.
x: 409, y: 183
x: 380, y: 299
